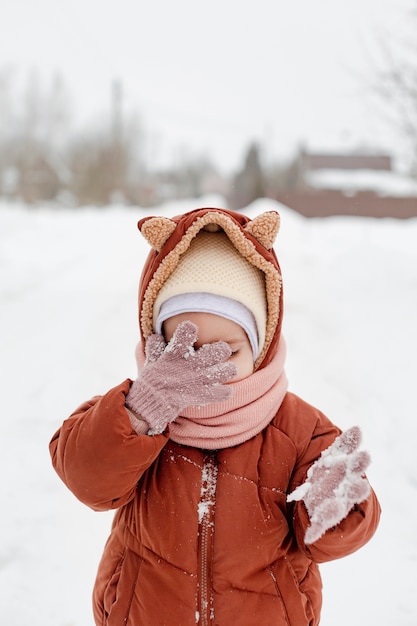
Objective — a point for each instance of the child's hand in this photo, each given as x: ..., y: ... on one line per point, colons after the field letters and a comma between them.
x: 176, y: 376
x: 335, y: 483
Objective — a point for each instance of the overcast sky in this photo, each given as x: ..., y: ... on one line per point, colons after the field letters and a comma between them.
x: 212, y: 76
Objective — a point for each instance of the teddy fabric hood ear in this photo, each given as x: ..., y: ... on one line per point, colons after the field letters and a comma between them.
x: 157, y: 230
x: 170, y: 238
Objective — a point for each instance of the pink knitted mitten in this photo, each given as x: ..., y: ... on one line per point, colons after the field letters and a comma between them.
x: 335, y: 483
x: 176, y: 376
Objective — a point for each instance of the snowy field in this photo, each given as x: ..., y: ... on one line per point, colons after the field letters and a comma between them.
x: 68, y: 287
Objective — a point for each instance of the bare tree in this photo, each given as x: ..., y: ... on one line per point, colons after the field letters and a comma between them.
x: 42, y: 158
x: 249, y: 182
x: 396, y: 85
x: 33, y: 128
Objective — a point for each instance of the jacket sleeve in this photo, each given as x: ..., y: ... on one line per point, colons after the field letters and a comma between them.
x: 362, y: 521
x: 98, y: 455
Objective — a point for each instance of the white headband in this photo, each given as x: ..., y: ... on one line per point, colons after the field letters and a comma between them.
x: 211, y: 303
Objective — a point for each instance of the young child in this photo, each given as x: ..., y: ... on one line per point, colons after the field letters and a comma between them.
x: 229, y: 489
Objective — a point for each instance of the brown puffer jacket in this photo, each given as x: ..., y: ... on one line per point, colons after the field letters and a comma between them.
x: 204, y: 537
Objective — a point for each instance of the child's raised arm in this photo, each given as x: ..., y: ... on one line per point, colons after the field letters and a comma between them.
x: 98, y: 455
x: 335, y: 484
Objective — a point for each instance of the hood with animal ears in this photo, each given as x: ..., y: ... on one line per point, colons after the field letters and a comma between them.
x: 170, y: 238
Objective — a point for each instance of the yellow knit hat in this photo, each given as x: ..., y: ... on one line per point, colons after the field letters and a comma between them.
x: 212, y: 264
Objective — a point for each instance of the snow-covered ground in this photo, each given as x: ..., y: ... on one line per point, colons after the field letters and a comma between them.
x: 68, y: 286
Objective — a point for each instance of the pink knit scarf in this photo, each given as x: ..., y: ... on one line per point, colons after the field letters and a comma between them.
x: 254, y: 402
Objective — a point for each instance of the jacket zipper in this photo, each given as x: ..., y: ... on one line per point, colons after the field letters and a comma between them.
x: 206, y: 508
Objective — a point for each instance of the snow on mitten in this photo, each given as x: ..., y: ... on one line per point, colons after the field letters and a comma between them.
x: 176, y: 376
x: 335, y: 483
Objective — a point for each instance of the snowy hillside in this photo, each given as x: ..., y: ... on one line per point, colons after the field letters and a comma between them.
x: 68, y: 288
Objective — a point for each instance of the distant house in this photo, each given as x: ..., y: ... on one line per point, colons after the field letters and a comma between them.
x: 357, y: 183
x: 310, y: 161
